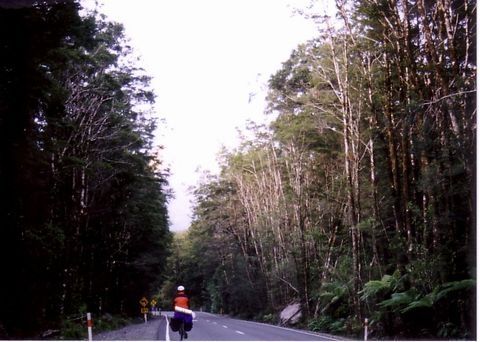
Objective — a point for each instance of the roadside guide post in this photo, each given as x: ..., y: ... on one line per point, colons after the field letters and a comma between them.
x: 144, y: 309
x: 365, y: 334
x: 89, y: 325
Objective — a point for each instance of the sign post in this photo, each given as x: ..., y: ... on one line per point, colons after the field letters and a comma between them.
x: 153, y: 302
x: 144, y: 309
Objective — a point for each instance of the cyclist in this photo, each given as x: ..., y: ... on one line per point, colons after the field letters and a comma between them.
x: 181, y: 307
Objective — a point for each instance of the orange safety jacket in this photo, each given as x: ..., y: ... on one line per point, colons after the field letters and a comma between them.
x: 181, y: 300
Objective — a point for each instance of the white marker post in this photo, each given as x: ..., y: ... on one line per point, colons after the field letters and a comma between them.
x: 365, y: 334
x: 89, y: 325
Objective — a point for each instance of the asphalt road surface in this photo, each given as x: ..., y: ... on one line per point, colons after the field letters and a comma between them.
x: 209, y: 327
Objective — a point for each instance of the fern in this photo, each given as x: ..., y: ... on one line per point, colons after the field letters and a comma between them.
x: 399, y: 301
x: 447, y: 288
x: 375, y: 287
x: 333, y: 291
x: 425, y: 302
x: 429, y: 300
x: 372, y: 288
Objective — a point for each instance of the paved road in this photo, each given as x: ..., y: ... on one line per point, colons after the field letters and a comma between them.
x: 209, y: 327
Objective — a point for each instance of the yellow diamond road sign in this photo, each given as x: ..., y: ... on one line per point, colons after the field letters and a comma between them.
x: 153, y: 302
x: 143, y: 302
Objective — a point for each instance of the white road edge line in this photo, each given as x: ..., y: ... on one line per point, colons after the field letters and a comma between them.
x: 239, y: 332
x: 294, y: 330
x: 167, y: 328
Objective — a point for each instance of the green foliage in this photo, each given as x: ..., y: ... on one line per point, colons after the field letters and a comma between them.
x: 269, y: 318
x: 367, y: 169
x: 331, y: 293
x: 447, y: 289
x: 108, y: 322
x: 424, y: 302
x: 73, y: 330
x: 415, y: 309
x: 357, y: 200
x: 86, y: 220
x: 378, y: 288
x: 410, y: 300
x: 442, y: 293
x: 328, y: 324
x: 399, y: 300
x: 338, y: 326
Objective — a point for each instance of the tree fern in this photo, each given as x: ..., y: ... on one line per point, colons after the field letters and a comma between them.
x: 425, y: 302
x: 375, y: 287
x: 432, y: 298
x: 446, y: 289
x: 399, y: 301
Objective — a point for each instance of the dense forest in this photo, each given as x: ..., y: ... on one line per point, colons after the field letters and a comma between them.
x: 358, y: 200
x: 84, y: 223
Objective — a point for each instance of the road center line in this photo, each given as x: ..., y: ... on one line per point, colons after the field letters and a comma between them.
x: 239, y: 332
x: 225, y: 326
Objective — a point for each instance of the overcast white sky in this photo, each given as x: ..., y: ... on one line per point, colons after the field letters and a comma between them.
x: 206, y: 57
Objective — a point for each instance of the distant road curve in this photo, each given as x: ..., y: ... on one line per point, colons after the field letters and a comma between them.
x: 210, y: 327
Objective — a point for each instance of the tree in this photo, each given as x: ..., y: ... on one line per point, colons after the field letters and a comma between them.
x: 359, y: 176
x: 86, y: 194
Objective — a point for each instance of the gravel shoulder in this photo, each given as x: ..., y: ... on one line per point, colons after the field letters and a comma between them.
x: 153, y: 330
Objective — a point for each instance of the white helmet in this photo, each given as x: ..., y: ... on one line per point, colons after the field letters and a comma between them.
x: 180, y: 288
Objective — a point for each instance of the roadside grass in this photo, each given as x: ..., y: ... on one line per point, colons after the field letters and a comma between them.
x: 77, y: 329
